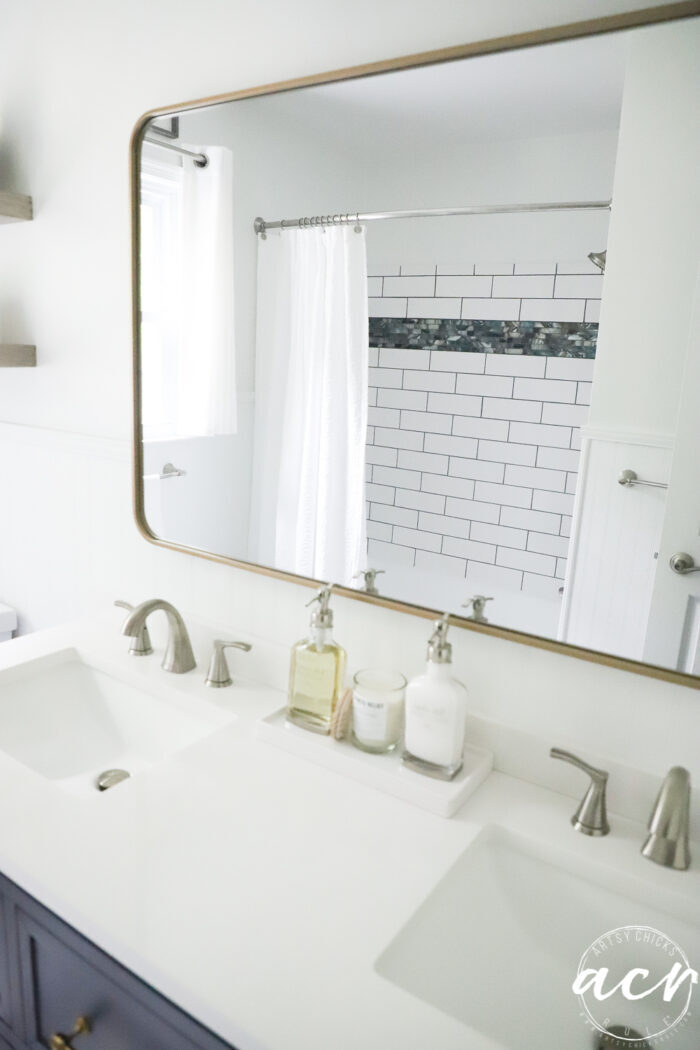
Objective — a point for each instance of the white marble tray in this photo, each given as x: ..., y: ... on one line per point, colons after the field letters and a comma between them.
x: 383, y: 772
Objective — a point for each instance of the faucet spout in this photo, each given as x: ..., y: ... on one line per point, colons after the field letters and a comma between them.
x: 178, y: 654
x: 667, y: 842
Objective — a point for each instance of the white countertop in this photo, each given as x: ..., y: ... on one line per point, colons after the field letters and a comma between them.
x: 253, y: 889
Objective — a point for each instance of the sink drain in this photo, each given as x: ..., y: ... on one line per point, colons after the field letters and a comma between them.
x: 110, y: 777
x: 620, y: 1035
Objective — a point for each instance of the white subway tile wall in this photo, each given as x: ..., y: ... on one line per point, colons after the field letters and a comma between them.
x: 472, y: 458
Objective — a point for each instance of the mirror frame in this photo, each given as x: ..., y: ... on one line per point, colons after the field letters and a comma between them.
x: 592, y: 27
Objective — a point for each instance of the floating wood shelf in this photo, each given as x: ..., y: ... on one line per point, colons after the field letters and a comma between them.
x: 15, y: 355
x: 15, y: 207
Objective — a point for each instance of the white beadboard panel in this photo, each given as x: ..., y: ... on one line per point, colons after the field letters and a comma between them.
x: 578, y: 286
x: 553, y: 480
x: 442, y: 381
x: 452, y: 446
x: 391, y: 398
x: 427, y: 541
x: 383, y: 417
x: 494, y: 267
x: 470, y: 426
x: 385, y: 377
x: 592, y: 311
x: 447, y: 308
x: 539, y: 434
x: 543, y: 543
x: 504, y: 452
x: 391, y: 358
x: 498, y: 534
x: 558, y: 458
x: 486, y: 385
x: 393, y: 516
x: 516, y: 365
x: 386, y: 457
x: 565, y: 415
x: 491, y: 309
x: 428, y: 421
x: 536, y: 267
x: 551, y: 309
x: 406, y: 479
x: 508, y: 495
x: 409, y: 286
x: 387, y: 307
x: 463, y: 488
x: 457, y: 361
x: 583, y: 394
x: 374, y: 287
x: 373, y: 356
x: 440, y: 563
x: 523, y: 287
x: 572, y: 368
x: 536, y: 520
x: 435, y: 464
x: 444, y: 525
x: 541, y: 586
x: 546, y: 390
x: 392, y: 437
x: 390, y: 553
x: 378, y: 531
x: 484, y: 577
x: 429, y: 501
x: 485, y: 552
x: 611, y: 565
x: 379, y: 493
x: 552, y: 503
x: 474, y: 510
x: 455, y: 404
x: 510, y: 408
x: 542, y: 564
x: 479, y: 470
x: 470, y: 287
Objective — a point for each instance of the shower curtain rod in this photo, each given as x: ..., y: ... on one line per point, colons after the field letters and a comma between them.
x: 200, y: 159
x: 261, y: 225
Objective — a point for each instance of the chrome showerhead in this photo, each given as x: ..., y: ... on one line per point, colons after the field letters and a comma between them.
x: 598, y: 259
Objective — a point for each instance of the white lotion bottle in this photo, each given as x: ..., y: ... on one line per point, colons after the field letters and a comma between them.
x: 436, y: 711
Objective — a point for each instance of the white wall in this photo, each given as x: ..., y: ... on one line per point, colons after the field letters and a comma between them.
x: 73, y: 79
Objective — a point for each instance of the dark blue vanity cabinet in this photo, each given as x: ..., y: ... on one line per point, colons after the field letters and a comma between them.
x: 50, y: 976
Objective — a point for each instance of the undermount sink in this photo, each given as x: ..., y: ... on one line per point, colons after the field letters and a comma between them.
x: 70, y: 722
x: 497, y: 944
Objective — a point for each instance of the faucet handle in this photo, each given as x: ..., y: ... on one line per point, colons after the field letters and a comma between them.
x: 478, y: 603
x: 141, y: 644
x: 591, y: 817
x: 218, y: 674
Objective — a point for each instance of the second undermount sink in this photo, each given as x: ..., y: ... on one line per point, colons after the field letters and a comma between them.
x: 498, y: 943
x: 70, y: 722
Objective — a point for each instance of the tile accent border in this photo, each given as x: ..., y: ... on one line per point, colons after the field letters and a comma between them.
x: 533, y: 338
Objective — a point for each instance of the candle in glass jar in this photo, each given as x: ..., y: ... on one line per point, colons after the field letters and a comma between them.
x: 377, y: 709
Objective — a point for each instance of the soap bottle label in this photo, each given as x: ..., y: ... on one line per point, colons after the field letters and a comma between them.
x: 369, y: 719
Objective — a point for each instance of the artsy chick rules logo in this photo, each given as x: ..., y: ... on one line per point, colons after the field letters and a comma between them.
x: 635, y: 987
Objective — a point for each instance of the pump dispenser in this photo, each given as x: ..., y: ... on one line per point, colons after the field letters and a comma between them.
x: 317, y: 670
x: 436, y: 709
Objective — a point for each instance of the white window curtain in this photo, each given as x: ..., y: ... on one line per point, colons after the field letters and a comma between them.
x: 187, y: 294
x: 308, y: 499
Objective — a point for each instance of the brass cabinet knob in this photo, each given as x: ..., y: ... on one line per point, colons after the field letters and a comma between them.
x: 59, y: 1041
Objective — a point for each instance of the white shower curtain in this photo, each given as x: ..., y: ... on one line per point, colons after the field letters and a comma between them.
x: 308, y: 500
x: 206, y: 362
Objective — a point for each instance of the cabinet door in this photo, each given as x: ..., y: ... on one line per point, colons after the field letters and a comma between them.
x: 64, y: 977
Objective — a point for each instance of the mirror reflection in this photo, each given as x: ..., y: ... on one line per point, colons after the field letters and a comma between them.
x: 427, y: 334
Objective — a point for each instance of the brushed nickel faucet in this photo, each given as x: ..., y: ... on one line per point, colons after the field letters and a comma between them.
x: 667, y: 842
x: 591, y: 817
x: 218, y: 674
x: 178, y: 654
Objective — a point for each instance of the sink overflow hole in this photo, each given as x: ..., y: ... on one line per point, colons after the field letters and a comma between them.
x: 110, y: 777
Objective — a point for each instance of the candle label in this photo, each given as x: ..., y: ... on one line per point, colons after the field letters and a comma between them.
x: 369, y: 719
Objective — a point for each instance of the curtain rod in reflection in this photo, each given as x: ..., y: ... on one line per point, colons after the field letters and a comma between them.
x: 200, y: 159
x: 261, y: 225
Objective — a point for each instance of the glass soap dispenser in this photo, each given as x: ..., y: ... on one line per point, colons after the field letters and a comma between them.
x: 317, y: 671
x: 436, y: 711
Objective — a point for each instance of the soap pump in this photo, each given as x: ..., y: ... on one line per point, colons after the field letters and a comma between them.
x: 317, y: 670
x: 436, y: 709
